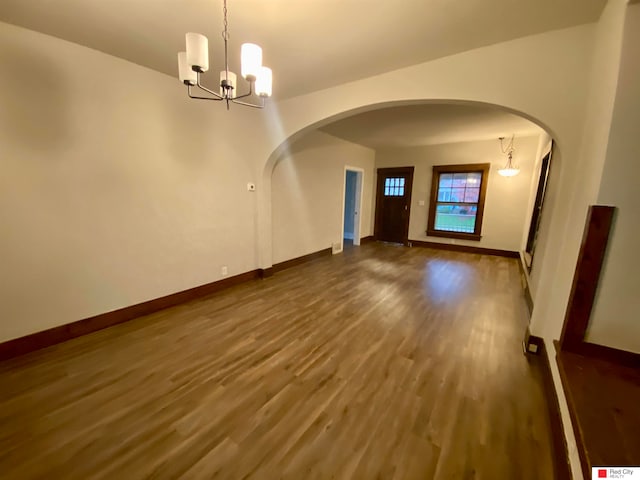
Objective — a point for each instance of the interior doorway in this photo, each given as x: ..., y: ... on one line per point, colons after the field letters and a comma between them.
x: 352, y: 201
x: 393, y: 204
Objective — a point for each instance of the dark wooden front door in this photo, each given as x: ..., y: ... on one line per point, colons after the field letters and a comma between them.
x: 393, y: 204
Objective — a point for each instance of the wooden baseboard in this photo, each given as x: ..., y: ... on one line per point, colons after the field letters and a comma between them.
x: 560, y: 451
x: 265, y: 272
x: 278, y: 267
x: 465, y: 248
x: 532, y: 344
x: 367, y: 239
x: 62, y: 333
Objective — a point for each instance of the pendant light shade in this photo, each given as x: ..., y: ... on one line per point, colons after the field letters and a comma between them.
x: 186, y: 74
x: 264, y: 82
x: 509, y: 170
x: 250, y: 60
x: 197, y: 52
x: 231, y: 81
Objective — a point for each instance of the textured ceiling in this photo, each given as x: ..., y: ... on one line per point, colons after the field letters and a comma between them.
x: 430, y: 124
x: 310, y: 44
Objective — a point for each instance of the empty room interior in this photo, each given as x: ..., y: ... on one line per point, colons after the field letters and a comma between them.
x: 319, y: 239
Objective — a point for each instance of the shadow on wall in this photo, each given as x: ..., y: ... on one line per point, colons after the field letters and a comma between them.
x: 42, y: 122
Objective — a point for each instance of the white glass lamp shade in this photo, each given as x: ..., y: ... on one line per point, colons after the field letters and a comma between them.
x: 264, y: 82
x: 231, y: 80
x: 250, y: 60
x: 187, y: 76
x: 197, y: 51
x: 509, y: 172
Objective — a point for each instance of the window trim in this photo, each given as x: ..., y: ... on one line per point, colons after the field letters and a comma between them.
x: 483, y: 169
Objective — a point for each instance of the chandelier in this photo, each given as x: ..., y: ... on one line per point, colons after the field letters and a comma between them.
x: 195, y: 61
x: 509, y: 170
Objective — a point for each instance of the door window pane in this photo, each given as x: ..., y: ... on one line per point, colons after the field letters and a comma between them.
x: 394, y: 187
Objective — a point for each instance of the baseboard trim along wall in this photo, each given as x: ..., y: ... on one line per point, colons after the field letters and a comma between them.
x: 62, y: 333
x: 465, y: 248
x: 278, y: 267
x: 560, y: 450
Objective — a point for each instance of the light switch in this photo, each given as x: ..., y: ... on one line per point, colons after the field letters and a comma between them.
x: 421, y: 203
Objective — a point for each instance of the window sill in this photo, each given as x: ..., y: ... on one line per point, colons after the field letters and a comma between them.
x: 457, y: 235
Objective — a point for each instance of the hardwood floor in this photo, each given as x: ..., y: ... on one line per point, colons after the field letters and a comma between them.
x: 382, y: 362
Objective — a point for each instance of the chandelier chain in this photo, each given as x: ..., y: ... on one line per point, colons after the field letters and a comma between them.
x: 225, y: 36
x: 509, y: 148
x: 225, y: 33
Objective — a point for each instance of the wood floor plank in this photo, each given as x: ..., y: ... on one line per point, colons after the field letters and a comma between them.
x: 382, y: 362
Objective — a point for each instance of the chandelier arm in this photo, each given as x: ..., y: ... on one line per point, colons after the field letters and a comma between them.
x: 248, y: 94
x: 202, y: 87
x: 202, y: 98
x: 248, y: 104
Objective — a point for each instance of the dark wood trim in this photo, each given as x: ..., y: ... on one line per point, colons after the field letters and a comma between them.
x: 561, y: 452
x: 538, y: 206
x: 532, y: 341
x: 367, y: 239
x: 466, y: 249
x: 575, y: 421
x: 265, y: 272
x: 456, y: 235
x: 62, y: 333
x: 482, y: 168
x: 602, y: 352
x: 583, y: 291
x: 528, y: 298
x: 587, y: 275
x: 278, y: 267
x: 380, y: 173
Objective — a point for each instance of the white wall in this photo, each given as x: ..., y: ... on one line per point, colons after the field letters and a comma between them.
x: 308, y: 191
x: 574, y: 181
x: 507, y: 198
x: 115, y: 187
x: 615, y: 320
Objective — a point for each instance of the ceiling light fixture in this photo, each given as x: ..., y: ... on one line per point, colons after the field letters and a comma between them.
x: 195, y: 61
x: 509, y: 169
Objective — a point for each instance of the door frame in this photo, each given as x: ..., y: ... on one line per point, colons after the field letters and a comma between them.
x: 357, y: 224
x: 381, y: 173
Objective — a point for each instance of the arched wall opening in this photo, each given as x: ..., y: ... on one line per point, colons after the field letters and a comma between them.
x: 289, y: 146
x: 547, y: 86
x: 546, y: 251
